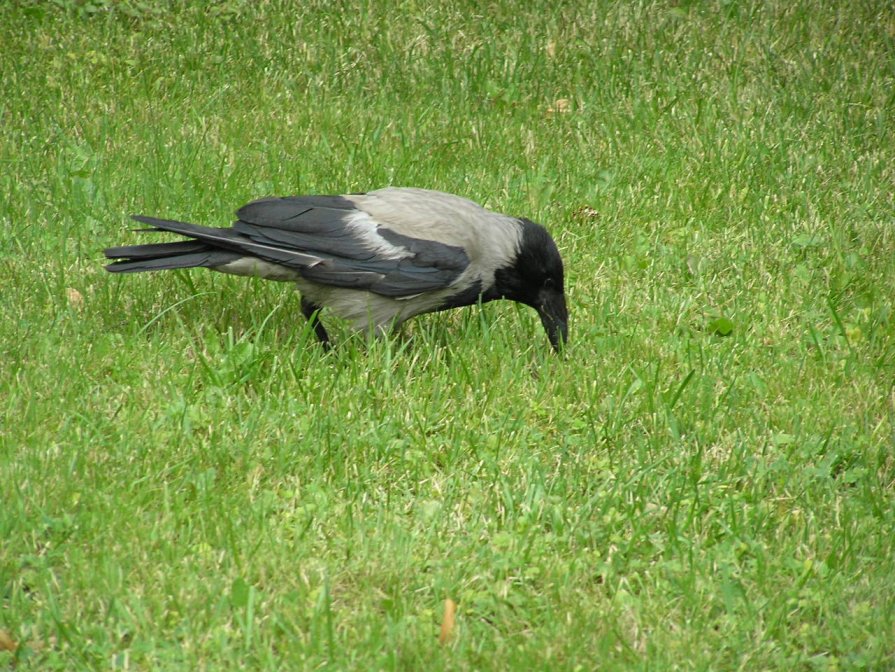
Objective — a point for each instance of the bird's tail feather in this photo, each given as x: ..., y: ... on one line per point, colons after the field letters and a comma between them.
x: 206, y: 259
x: 167, y: 256
x: 157, y: 250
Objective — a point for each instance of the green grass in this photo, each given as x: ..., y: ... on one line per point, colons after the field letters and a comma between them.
x: 189, y: 482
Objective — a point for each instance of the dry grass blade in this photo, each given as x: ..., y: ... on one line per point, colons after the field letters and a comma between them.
x: 448, y: 621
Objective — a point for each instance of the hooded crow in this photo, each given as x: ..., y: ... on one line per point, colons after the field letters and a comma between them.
x: 375, y: 259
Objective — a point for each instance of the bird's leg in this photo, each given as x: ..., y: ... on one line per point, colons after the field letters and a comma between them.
x: 312, y: 312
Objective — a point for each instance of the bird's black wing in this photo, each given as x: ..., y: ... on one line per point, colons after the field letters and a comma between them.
x: 351, y: 248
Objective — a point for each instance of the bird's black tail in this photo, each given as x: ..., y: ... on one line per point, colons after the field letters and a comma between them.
x: 167, y: 256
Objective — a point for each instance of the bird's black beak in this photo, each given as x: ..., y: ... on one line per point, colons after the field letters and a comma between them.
x: 551, y: 307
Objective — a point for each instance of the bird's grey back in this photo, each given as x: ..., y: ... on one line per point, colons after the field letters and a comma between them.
x: 435, y: 215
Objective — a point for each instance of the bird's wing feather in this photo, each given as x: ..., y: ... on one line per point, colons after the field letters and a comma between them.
x: 353, y: 248
x: 310, y: 214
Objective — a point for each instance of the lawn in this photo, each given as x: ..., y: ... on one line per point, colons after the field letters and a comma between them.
x: 705, y: 480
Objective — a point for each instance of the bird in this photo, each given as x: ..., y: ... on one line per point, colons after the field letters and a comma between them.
x: 375, y: 259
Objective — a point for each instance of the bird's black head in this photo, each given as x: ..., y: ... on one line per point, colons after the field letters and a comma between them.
x: 535, y: 278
